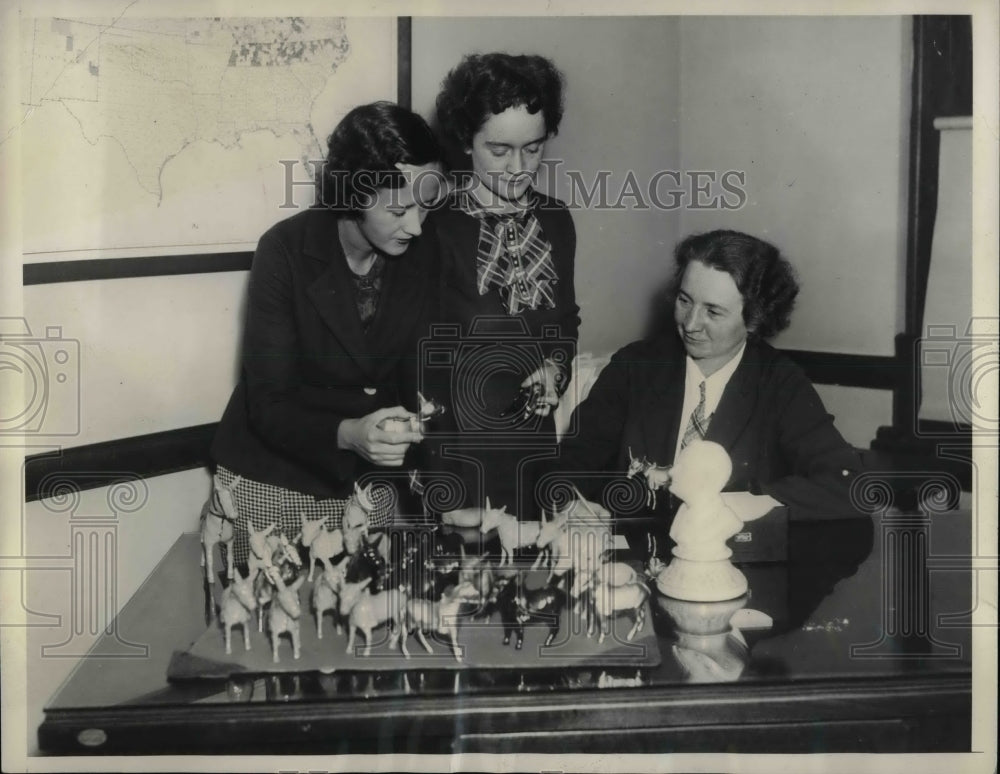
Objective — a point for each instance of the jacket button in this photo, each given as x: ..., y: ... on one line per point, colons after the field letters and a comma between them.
x: 370, y: 390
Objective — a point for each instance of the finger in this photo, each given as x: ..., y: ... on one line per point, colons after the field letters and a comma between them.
x: 396, y: 412
x: 404, y: 437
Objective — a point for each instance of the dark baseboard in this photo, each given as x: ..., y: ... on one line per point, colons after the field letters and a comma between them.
x: 103, y: 464
x: 123, y: 268
x: 877, y: 372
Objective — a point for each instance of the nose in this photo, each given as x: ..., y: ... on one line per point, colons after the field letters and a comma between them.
x: 516, y: 164
x: 412, y: 221
x: 692, y: 319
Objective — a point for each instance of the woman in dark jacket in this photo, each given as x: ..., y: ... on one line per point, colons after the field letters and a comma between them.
x: 337, y: 295
x: 507, y: 314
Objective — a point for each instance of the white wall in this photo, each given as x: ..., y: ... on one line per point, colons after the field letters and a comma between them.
x: 154, y: 353
x: 621, y: 114
x: 815, y: 111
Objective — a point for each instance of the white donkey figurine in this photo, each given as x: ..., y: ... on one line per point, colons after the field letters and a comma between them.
x: 236, y: 609
x: 657, y: 477
x: 512, y: 534
x: 326, y: 595
x: 218, y: 519
x: 284, y: 613
x: 442, y: 616
x: 366, y: 611
x: 355, y: 521
x: 577, y: 544
x: 323, y: 544
x: 609, y: 601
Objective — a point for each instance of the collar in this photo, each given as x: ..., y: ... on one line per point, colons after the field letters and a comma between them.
x: 714, y: 384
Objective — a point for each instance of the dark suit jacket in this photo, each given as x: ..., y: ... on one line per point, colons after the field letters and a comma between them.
x: 493, y: 353
x: 770, y: 420
x: 307, y: 362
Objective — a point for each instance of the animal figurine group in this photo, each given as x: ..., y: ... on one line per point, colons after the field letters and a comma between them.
x: 368, y: 579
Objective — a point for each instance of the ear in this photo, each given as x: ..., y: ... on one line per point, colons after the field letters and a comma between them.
x: 488, y: 506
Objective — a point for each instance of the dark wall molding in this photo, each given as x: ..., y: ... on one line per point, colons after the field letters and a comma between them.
x: 144, y: 456
x: 124, y: 268
x: 103, y: 464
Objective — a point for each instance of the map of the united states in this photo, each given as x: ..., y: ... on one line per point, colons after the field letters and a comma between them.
x: 155, y: 86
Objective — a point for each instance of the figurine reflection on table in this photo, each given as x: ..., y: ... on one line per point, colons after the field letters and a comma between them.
x: 700, y: 570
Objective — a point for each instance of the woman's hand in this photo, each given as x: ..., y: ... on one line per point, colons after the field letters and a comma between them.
x: 385, y: 447
x: 549, y: 376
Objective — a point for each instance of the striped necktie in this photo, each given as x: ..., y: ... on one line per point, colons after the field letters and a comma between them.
x: 697, y: 425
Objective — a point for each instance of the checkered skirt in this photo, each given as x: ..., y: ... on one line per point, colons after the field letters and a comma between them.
x: 263, y: 504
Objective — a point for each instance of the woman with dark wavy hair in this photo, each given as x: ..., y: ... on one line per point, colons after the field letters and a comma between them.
x: 507, y: 276
x: 337, y: 293
x: 712, y: 376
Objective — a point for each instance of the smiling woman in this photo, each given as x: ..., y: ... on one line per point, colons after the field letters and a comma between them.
x: 336, y: 296
x: 712, y: 376
x: 507, y: 278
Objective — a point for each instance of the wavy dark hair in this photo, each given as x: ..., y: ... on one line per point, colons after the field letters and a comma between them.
x: 362, y: 153
x: 764, y: 278
x: 483, y: 85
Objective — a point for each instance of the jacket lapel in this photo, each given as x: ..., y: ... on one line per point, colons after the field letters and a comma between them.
x: 663, y: 409
x: 330, y: 292
x: 738, y: 401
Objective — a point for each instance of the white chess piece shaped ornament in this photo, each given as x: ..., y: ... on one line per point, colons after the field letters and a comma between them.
x: 700, y: 570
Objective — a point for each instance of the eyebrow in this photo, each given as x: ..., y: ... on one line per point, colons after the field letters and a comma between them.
x: 496, y: 144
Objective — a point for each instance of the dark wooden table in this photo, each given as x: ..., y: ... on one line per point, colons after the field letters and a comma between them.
x: 870, y: 651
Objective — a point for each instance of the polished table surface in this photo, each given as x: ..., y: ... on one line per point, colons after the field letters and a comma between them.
x: 869, y: 650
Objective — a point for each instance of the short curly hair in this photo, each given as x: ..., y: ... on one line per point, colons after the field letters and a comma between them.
x: 764, y: 278
x: 487, y: 84
x: 363, y: 151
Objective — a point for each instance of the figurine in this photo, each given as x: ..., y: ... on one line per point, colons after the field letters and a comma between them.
x: 236, y: 609
x: 368, y: 562
x: 218, y: 518
x: 284, y: 613
x: 277, y: 553
x: 512, y: 534
x: 260, y: 553
x: 490, y: 603
x: 426, y: 411
x: 326, y: 595
x: 441, y: 616
x: 506, y: 601
x: 524, y: 404
x: 609, y: 600
x: 574, y: 543
x: 700, y: 570
x: 365, y: 611
x: 355, y: 521
x: 656, y: 476
x: 544, y: 605
x: 477, y: 571
x: 323, y: 544
x: 429, y: 409
x: 654, y: 564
